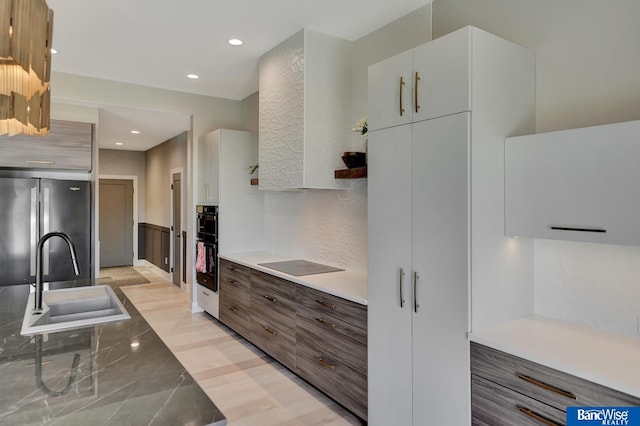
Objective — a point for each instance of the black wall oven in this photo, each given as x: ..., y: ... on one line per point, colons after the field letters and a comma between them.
x: 207, y: 246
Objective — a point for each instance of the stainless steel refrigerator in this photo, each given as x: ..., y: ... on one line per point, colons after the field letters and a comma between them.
x: 30, y: 208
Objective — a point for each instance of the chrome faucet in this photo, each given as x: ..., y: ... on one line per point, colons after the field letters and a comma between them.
x: 38, y: 299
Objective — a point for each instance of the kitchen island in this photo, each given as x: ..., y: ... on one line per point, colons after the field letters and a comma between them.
x: 125, y: 374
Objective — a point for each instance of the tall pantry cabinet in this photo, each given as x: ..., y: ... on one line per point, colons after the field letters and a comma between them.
x: 435, y: 207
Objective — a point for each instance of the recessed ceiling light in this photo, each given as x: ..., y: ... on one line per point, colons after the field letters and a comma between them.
x: 135, y: 132
x: 53, y: 51
x: 236, y: 42
x: 119, y: 143
x: 193, y: 76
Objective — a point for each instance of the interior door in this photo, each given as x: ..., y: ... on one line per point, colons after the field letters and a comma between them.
x: 440, y: 260
x: 389, y: 241
x: 177, y: 228
x: 116, y: 222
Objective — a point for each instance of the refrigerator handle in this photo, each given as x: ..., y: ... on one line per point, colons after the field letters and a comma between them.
x: 46, y: 216
x: 33, y: 237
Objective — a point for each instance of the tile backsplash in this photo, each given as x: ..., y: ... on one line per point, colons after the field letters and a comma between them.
x: 328, y: 226
x: 592, y: 284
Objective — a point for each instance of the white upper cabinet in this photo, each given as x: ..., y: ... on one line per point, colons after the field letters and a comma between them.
x: 304, y: 111
x: 429, y: 81
x: 390, y: 86
x: 579, y: 184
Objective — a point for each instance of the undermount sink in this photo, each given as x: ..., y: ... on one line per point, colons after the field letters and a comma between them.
x: 72, y: 308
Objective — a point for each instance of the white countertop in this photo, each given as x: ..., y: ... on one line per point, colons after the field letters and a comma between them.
x: 606, y: 358
x: 349, y: 285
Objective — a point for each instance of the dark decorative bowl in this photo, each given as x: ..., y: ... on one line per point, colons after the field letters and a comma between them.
x: 354, y: 159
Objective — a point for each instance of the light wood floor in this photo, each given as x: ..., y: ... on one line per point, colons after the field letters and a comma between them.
x: 247, y: 386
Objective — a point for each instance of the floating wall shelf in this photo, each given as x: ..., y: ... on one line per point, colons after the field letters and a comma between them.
x: 355, y: 173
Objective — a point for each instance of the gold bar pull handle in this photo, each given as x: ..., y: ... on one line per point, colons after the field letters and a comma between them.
x: 401, y: 107
x: 539, y: 417
x: 232, y: 308
x: 326, y: 323
x: 402, y: 300
x: 416, y: 305
x: 415, y: 92
x: 270, y: 331
x: 325, y: 364
x: 545, y: 386
x: 232, y: 282
x: 326, y: 305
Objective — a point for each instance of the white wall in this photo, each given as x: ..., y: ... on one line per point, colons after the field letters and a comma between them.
x: 588, y: 73
x: 330, y: 226
x: 593, y: 284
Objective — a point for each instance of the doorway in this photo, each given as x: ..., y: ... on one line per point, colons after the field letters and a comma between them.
x: 176, y: 227
x: 116, y: 222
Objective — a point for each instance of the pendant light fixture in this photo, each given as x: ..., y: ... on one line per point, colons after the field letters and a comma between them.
x: 26, y: 28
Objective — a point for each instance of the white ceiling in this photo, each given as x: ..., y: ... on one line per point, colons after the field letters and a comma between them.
x: 158, y: 42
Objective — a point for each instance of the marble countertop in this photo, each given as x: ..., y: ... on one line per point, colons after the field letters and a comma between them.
x: 606, y: 358
x: 349, y: 285
x: 125, y: 374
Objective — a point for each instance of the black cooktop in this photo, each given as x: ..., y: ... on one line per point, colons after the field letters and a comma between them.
x: 300, y: 267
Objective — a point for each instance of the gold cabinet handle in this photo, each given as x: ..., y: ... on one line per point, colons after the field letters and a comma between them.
x: 402, y: 300
x: 415, y: 91
x: 270, y: 299
x: 325, y: 364
x: 326, y: 305
x: 545, y: 386
x: 416, y: 305
x: 232, y: 282
x: 401, y: 107
x: 538, y: 417
x: 326, y: 323
x: 268, y: 330
x: 231, y: 268
x: 232, y: 308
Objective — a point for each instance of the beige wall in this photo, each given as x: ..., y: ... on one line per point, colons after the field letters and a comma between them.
x: 129, y: 163
x: 160, y: 160
x: 588, y: 60
x: 250, y: 113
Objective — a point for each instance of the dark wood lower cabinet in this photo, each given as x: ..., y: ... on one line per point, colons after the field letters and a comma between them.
x: 495, y: 405
x: 235, y: 297
x: 321, y: 337
x: 333, y: 377
x: 508, y: 390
